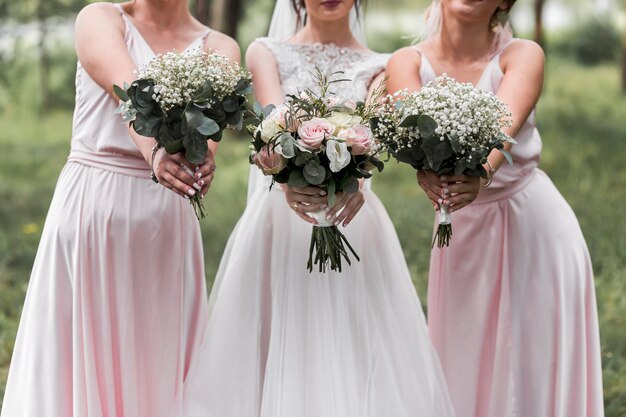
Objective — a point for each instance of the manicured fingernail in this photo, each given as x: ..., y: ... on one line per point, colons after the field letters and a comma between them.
x: 191, y: 192
x: 197, y: 186
x: 198, y: 174
x: 440, y: 201
x: 197, y: 167
x: 322, y: 192
x: 201, y: 182
x: 202, y: 196
x: 446, y: 191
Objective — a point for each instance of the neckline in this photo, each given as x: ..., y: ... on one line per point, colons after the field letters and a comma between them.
x: 483, y: 74
x: 129, y: 21
x: 329, y: 45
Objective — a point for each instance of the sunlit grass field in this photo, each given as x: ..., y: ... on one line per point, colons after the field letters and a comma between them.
x: 581, y: 117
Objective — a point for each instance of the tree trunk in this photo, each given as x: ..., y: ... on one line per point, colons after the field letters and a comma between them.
x: 226, y: 15
x: 624, y: 62
x: 202, y: 9
x: 44, y: 60
x: 539, y: 22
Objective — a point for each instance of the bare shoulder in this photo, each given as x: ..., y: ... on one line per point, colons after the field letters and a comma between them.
x: 99, y: 14
x: 522, y: 52
x: 405, y: 56
x: 224, y: 44
x: 257, y: 53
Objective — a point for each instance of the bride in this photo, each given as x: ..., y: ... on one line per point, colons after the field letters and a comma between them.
x: 282, y: 342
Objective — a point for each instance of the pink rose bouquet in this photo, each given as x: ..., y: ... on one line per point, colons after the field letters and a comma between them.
x: 317, y: 139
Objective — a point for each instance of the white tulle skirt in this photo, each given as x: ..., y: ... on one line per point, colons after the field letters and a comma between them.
x: 283, y: 342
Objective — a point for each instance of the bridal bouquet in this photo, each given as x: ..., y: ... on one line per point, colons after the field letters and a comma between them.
x: 182, y: 99
x: 317, y: 140
x: 447, y: 127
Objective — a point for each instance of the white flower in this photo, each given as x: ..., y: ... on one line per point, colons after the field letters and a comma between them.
x: 343, y: 120
x: 338, y: 155
x: 272, y: 125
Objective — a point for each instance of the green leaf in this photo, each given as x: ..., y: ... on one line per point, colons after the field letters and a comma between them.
x: 174, y: 147
x: 508, y: 156
x: 332, y: 190
x: 302, y: 158
x: 410, y: 121
x: 314, y: 172
x: 208, y: 127
x: 456, y: 144
x: 147, y: 125
x: 257, y: 109
x: 267, y: 110
x: 296, y: 179
x: 120, y: 93
x: 204, y: 93
x: 288, y: 145
x: 194, y: 118
x: 426, y: 125
x: 350, y: 184
x: 195, y: 149
x: 231, y: 103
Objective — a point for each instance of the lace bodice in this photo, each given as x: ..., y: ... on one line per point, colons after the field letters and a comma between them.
x: 297, y: 61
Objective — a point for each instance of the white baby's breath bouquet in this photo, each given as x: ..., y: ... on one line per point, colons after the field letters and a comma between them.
x: 183, y: 99
x: 447, y: 127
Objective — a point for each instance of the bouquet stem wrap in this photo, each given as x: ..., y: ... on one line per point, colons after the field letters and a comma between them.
x: 444, y: 227
x: 328, y: 245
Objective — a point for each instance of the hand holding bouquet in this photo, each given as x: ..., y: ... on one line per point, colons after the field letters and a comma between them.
x: 317, y: 140
x: 447, y: 127
x: 183, y: 99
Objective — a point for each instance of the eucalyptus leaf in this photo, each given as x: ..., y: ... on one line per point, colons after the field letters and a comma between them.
x: 410, y: 121
x: 296, y: 179
x: 195, y: 149
x: 267, y: 110
x: 120, y: 93
x: 350, y: 184
x: 208, y: 127
x: 426, y: 125
x: 508, y: 156
x: 147, y: 125
x: 231, y: 103
x: 174, y: 147
x: 288, y: 145
x: 314, y: 172
x: 257, y: 109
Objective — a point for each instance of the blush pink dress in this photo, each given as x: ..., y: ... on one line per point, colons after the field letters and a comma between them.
x: 511, y: 302
x: 116, y: 305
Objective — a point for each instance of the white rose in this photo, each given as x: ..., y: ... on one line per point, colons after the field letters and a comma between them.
x: 338, y: 155
x: 342, y: 120
x: 272, y: 125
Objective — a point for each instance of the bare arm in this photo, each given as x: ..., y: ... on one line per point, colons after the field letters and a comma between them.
x: 523, y: 66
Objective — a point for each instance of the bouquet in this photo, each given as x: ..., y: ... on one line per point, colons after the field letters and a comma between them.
x: 317, y: 140
x: 182, y: 99
x: 447, y: 127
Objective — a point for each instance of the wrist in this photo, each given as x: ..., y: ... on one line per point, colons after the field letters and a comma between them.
x: 154, y: 151
x: 490, y: 173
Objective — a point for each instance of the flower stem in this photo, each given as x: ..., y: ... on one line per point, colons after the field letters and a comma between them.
x: 198, y: 207
x: 328, y: 247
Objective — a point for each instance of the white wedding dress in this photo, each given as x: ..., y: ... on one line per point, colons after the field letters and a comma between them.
x: 283, y: 342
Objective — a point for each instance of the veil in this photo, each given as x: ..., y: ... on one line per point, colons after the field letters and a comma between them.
x: 285, y: 22
x: 284, y: 25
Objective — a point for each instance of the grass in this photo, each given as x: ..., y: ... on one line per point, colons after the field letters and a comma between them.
x: 580, y: 117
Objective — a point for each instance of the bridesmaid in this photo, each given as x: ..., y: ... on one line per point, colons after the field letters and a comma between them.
x: 285, y: 343
x: 116, y: 305
x: 512, y: 309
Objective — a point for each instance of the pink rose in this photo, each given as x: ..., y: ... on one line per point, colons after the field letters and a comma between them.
x: 313, y: 132
x: 359, y: 138
x: 270, y: 162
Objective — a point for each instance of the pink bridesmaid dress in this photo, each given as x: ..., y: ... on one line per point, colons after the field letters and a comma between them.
x: 116, y: 305
x: 511, y: 301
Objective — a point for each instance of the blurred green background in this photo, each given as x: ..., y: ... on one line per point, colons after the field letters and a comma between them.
x: 582, y: 118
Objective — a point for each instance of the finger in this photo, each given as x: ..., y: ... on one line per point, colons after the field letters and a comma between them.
x: 306, y: 218
x: 180, y: 159
x: 348, y: 213
x: 315, y: 191
x: 461, y: 198
x: 306, y: 199
x: 464, y: 187
x: 179, y: 185
x: 206, y: 169
x: 432, y: 195
x: 180, y: 172
x: 427, y: 185
x: 342, y: 199
x: 205, y: 183
x: 429, y: 176
x: 170, y: 187
x: 311, y: 208
x: 457, y: 178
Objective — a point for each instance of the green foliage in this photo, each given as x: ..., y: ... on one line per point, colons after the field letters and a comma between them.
x: 592, y: 42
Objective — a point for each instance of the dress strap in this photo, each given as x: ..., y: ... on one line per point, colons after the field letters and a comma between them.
x: 426, y: 71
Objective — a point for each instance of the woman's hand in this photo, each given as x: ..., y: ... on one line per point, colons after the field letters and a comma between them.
x: 205, y: 172
x: 176, y: 173
x: 349, y: 204
x: 455, y: 191
x: 306, y: 200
